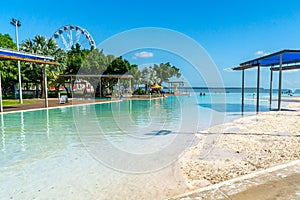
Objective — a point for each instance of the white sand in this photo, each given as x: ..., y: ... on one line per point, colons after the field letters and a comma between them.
x: 243, y: 146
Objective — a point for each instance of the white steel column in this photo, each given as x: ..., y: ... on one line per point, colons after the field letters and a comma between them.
x: 280, y: 83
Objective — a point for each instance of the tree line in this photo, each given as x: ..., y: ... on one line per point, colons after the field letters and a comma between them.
x: 76, y: 61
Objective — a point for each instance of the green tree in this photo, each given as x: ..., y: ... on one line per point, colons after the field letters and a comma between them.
x: 9, y: 69
x: 136, y: 73
x: 48, y: 47
x: 118, y: 66
x: 149, y: 77
x: 165, y: 71
x: 7, y: 42
x: 74, y: 61
x: 96, y: 63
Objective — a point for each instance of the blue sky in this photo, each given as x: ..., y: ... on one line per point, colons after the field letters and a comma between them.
x: 230, y: 31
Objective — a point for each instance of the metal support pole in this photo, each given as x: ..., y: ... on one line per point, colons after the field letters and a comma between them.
x: 1, y: 102
x: 19, y: 66
x: 130, y: 86
x: 243, y: 89
x: 45, y: 86
x: 258, y: 85
x: 100, y: 88
x: 20, y: 84
x: 3, y: 133
x: 47, y: 124
x: 271, y: 87
x: 119, y: 87
x: 280, y: 83
x: 71, y: 79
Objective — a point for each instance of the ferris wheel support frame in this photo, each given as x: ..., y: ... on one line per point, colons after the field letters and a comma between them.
x: 69, y: 41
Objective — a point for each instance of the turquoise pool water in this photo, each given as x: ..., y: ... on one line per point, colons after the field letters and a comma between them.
x: 34, y: 134
x: 131, y: 136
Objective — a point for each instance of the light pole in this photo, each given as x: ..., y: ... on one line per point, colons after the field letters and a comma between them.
x: 17, y: 24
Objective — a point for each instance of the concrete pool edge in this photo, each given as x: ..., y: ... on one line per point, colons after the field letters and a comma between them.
x: 92, y: 102
x: 280, y: 170
x: 59, y: 106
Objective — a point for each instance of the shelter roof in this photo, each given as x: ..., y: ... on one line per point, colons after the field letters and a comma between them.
x: 290, y: 58
x: 8, y: 54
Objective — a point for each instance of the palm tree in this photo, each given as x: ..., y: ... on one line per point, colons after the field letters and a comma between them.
x: 8, y: 68
x: 48, y: 47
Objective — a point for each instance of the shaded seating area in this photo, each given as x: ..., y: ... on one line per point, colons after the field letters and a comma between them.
x: 73, y: 77
x: 280, y: 61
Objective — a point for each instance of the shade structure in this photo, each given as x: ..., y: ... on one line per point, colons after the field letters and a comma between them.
x: 156, y: 86
x: 290, y: 57
x: 287, y: 59
x: 8, y: 54
x: 121, y: 76
x: 100, y: 76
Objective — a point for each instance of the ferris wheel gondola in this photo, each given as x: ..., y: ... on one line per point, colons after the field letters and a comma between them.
x: 70, y: 35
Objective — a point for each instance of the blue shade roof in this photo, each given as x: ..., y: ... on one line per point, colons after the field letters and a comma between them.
x: 289, y: 57
x: 7, y: 54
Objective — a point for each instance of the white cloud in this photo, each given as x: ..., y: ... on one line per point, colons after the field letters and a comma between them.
x: 259, y: 53
x: 143, y: 54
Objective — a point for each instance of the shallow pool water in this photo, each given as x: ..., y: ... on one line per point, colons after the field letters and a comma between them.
x: 43, y: 149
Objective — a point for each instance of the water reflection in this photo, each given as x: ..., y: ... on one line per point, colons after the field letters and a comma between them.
x: 139, y: 131
x: 22, y: 133
x: 47, y: 124
x: 3, y: 149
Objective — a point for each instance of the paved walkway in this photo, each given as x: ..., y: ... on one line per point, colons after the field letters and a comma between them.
x: 52, y: 102
x: 280, y: 182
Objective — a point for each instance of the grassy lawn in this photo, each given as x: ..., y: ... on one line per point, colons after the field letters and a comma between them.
x: 10, y: 102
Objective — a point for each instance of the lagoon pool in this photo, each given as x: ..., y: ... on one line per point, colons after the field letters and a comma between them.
x: 54, y: 152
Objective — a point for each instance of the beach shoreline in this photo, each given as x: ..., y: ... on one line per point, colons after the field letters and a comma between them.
x: 243, y: 146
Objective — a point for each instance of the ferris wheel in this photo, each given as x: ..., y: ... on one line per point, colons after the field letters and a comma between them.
x: 69, y: 35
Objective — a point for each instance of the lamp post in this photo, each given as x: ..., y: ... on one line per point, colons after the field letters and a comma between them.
x: 17, y: 24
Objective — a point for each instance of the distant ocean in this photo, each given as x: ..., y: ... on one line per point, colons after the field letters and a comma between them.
x: 228, y: 90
